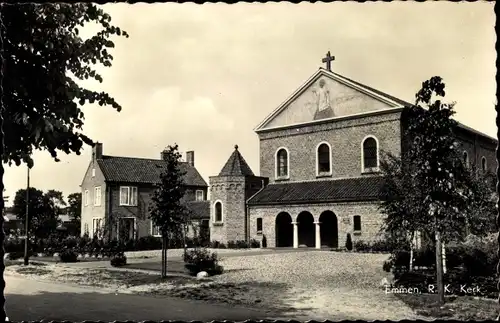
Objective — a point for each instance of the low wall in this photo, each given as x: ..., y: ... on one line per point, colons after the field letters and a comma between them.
x: 179, y: 252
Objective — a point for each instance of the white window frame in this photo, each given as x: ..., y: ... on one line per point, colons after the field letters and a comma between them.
x: 118, y: 225
x: 202, y: 195
x: 329, y: 173
x: 93, y: 172
x: 130, y: 194
x: 86, y: 198
x: 485, y: 164
x: 276, y: 164
x: 100, y: 221
x: 152, y: 232
x: 97, y: 197
x: 372, y: 169
x: 221, y: 212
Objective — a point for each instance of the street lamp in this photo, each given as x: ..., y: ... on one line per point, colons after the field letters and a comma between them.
x: 26, y: 226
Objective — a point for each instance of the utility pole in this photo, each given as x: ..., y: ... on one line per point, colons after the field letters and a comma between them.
x: 26, y: 241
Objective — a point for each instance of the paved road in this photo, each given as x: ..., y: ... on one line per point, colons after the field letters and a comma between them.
x: 29, y: 300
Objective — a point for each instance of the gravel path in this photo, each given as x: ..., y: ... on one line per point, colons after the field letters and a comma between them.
x: 322, y: 284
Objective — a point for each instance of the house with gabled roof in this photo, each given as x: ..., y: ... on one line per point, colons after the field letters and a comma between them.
x: 320, y: 179
x: 117, y: 190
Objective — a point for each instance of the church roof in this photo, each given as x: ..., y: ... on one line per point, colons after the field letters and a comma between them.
x: 143, y: 171
x: 236, y: 165
x: 341, y: 190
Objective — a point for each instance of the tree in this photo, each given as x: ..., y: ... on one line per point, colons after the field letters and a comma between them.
x: 75, y: 210
x: 43, y: 57
x: 57, y: 199
x: 429, y: 188
x: 75, y: 206
x: 42, y: 212
x: 167, y: 211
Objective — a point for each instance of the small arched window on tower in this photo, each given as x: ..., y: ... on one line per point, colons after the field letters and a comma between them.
x: 282, y: 163
x: 324, y: 159
x: 465, y: 159
x: 218, y: 212
x: 370, y: 155
x: 483, y: 164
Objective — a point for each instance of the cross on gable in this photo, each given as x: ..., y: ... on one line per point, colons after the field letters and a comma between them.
x: 328, y: 60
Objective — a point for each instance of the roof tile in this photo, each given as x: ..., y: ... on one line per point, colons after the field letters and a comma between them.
x: 342, y: 190
x: 143, y: 171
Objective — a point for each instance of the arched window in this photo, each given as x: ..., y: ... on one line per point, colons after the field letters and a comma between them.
x: 483, y: 164
x: 218, y: 212
x: 323, y: 158
x: 370, y: 154
x: 282, y: 163
x: 465, y: 158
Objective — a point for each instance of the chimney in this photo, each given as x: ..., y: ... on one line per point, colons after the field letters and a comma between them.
x: 190, y: 157
x: 163, y: 155
x: 97, y: 151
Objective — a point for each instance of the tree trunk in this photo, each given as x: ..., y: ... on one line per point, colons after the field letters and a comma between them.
x: 439, y: 267
x: 164, y: 256
x: 410, y: 268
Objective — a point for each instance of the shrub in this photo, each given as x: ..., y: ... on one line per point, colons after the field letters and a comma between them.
x: 361, y: 246
x: 381, y: 246
x: 231, y: 244
x: 118, y: 260
x: 242, y: 244
x: 348, y: 242
x: 68, y: 255
x: 256, y: 244
x: 200, y: 259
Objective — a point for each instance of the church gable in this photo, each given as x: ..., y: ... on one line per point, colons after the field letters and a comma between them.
x: 327, y: 95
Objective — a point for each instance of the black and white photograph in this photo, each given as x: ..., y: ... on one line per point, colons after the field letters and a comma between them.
x: 249, y: 161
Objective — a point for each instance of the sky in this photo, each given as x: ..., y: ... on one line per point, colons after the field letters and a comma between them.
x: 204, y: 76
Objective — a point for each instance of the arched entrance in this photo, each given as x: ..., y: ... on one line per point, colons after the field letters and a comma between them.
x: 306, y: 229
x: 284, y: 230
x: 329, y: 229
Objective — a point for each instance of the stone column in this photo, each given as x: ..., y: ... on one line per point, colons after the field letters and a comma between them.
x: 295, y: 235
x: 318, y: 235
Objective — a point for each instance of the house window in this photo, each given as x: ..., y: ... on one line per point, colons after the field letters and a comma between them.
x: 483, y: 164
x: 199, y: 195
x: 465, y: 158
x: 218, y: 212
x: 155, y: 230
x: 97, y: 196
x: 128, y: 195
x: 93, y: 172
x: 282, y: 163
x: 357, y: 223
x: 86, y: 198
x: 259, y: 225
x: 323, y: 157
x: 370, y: 154
x: 97, y: 227
x: 86, y: 229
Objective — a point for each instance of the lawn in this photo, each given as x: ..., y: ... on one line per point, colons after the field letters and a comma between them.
x: 461, y: 308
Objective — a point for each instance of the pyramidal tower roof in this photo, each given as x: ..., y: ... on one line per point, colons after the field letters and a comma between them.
x: 236, y: 165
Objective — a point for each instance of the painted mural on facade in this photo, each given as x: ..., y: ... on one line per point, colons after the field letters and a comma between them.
x: 326, y: 98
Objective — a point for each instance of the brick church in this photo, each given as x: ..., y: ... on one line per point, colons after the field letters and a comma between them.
x: 319, y: 177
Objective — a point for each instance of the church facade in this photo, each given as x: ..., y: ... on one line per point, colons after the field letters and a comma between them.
x: 319, y: 180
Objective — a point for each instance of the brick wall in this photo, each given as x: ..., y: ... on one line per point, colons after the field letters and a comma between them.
x: 371, y: 220
x: 90, y: 211
x: 345, y: 137
x: 230, y: 191
x: 141, y: 211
